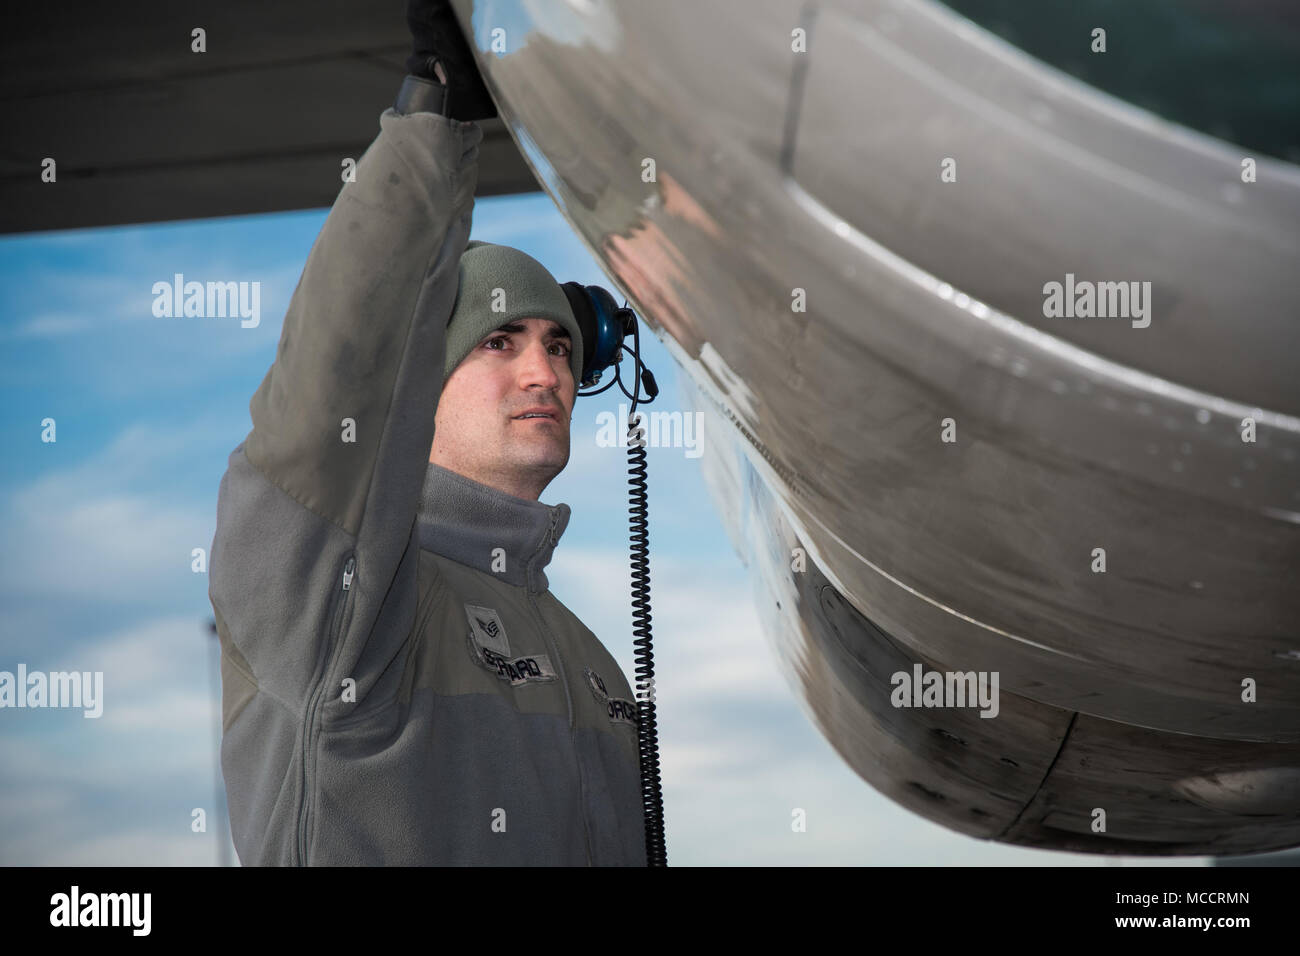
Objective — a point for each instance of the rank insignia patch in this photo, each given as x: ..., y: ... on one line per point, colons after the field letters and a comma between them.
x: 488, y: 631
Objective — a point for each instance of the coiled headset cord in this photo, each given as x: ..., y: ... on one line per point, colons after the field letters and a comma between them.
x: 652, y: 801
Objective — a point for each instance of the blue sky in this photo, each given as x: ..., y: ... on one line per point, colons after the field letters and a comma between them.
x: 96, y: 573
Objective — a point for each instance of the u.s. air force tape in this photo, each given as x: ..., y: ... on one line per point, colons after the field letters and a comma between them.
x: 619, y: 710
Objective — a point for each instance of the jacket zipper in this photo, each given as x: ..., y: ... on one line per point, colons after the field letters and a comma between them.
x: 339, y: 599
x: 546, y: 632
x: 564, y: 680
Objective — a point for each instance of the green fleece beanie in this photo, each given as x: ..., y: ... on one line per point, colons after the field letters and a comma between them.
x: 528, y: 291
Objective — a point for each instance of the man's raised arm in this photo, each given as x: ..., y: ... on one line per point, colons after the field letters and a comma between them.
x: 316, y: 510
x: 343, y: 420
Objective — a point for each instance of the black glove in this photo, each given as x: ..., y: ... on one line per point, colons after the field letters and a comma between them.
x: 439, y: 40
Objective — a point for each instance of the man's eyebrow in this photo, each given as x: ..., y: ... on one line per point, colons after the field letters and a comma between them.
x: 556, y: 331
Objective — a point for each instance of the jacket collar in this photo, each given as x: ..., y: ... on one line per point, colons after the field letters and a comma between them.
x: 466, y: 521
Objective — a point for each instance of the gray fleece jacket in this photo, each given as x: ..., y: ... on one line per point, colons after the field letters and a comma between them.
x: 399, y: 684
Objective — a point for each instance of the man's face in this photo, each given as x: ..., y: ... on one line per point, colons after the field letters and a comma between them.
x: 479, y: 431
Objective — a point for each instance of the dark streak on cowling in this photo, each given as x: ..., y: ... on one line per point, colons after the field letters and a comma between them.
x: 932, y: 794
x: 948, y: 735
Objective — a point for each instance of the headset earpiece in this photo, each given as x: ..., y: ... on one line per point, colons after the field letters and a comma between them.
x: 603, y: 324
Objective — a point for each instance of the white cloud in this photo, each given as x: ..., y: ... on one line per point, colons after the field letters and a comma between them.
x: 51, y: 325
x: 86, y: 792
x: 101, y: 529
x: 118, y: 548
x: 143, y: 846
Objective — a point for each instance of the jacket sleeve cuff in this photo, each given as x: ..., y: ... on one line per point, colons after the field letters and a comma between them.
x: 419, y: 95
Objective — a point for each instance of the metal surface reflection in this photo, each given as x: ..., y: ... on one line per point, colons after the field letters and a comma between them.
x: 782, y: 177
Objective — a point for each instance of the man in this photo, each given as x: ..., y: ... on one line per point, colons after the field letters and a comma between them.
x: 399, y: 684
